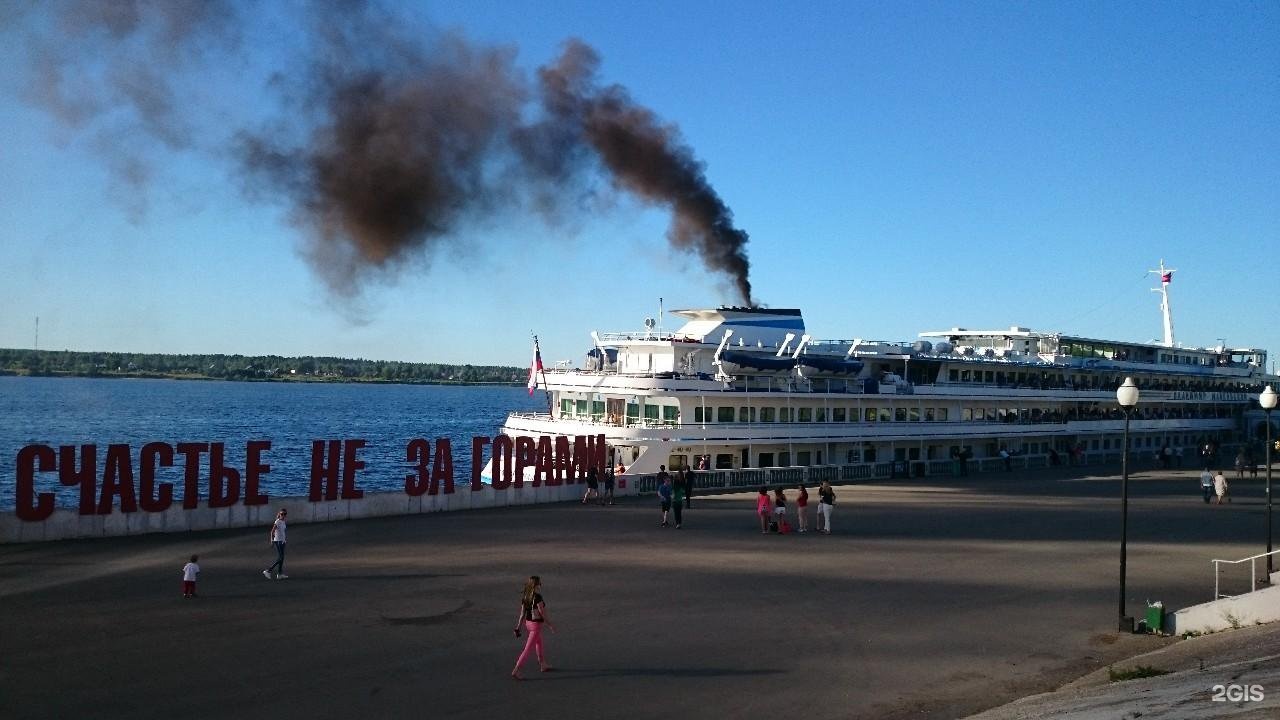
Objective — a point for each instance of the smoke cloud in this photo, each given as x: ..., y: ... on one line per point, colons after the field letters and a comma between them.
x: 387, y: 145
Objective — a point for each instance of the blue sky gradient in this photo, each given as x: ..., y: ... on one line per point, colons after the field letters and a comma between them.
x: 900, y: 167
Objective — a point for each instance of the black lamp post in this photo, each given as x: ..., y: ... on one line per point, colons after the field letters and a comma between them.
x: 1127, y: 396
x: 1268, y: 402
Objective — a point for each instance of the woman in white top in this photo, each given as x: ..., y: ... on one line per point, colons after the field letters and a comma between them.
x: 277, y: 537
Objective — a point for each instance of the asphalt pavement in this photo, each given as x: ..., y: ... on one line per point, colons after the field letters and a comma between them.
x: 933, y: 598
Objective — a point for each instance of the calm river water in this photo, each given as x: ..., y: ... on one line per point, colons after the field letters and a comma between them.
x: 76, y: 411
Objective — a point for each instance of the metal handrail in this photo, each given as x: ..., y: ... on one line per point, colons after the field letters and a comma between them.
x: 1253, y: 571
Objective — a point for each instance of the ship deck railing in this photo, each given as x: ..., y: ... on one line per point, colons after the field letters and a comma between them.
x: 1006, y: 420
x: 739, y: 479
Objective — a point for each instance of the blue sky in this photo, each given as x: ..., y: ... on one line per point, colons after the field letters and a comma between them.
x: 900, y: 167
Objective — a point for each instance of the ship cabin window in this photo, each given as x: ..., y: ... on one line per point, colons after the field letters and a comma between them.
x: 582, y: 408
x: 806, y: 415
x: 900, y: 414
x: 746, y: 414
x: 786, y: 414
x: 928, y: 414
x: 868, y: 453
x: 953, y: 375
x: 838, y: 415
x: 651, y: 412
x: 676, y: 462
x: 633, y: 413
x: 724, y: 461
x: 853, y: 456
x: 597, y: 409
x: 566, y: 407
x: 671, y: 414
x: 784, y: 459
x: 989, y: 376
x: 869, y: 414
x: 913, y: 414
x: 965, y: 376
x: 768, y: 414
x: 802, y: 458
x: 820, y: 414
x: 765, y: 460
x: 884, y: 415
x: 697, y: 415
x: 942, y: 414
x: 725, y: 415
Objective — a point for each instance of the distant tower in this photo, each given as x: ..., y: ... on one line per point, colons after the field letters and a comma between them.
x: 1166, y: 276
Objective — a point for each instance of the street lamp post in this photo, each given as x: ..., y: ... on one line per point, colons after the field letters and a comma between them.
x: 1268, y: 402
x: 1127, y: 396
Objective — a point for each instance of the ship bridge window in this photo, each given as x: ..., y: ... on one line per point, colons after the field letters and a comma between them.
x: 724, y: 414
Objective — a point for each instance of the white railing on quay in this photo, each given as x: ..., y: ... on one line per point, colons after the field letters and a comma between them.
x: 1253, y: 572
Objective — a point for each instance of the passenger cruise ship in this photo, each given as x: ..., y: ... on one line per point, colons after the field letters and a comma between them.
x: 746, y: 390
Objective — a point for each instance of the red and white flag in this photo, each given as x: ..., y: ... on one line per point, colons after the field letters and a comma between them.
x: 535, y: 367
x: 1166, y: 278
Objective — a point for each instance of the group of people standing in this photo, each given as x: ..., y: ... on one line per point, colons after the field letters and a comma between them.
x: 594, y: 481
x: 772, y: 511
x: 674, y: 494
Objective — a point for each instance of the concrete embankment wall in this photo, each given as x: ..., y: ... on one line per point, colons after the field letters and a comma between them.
x: 1254, y: 608
x: 69, y: 524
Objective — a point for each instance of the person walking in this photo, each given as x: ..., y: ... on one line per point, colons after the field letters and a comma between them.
x: 779, y: 508
x: 532, y: 618
x: 190, y: 572
x: 607, y: 498
x: 1240, y: 465
x: 593, y: 485
x: 1220, y: 487
x: 277, y: 538
x: 679, y: 495
x: 664, y: 494
x: 688, y: 487
x: 826, y: 503
x: 1206, y: 485
x: 802, y: 508
x: 764, y: 508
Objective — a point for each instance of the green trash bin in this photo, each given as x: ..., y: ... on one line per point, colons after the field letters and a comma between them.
x: 1155, y: 617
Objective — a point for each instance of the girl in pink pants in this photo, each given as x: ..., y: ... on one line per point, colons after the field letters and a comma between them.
x: 533, y: 615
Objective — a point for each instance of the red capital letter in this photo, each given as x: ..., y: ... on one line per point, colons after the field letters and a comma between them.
x: 191, y: 453
x: 117, y: 480
x: 33, y: 459
x: 224, y: 482
x: 417, y: 451
x: 477, y: 460
x: 254, y: 469
x: 349, y: 467
x: 86, y: 477
x: 156, y: 454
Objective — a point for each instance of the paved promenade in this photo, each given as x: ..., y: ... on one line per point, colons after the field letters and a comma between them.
x: 931, y: 600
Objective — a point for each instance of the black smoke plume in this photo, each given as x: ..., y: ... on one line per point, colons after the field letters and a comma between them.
x: 389, y: 143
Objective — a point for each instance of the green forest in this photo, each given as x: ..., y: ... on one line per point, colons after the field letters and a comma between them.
x: 247, y: 367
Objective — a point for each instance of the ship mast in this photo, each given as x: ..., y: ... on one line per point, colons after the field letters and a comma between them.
x: 1166, y: 276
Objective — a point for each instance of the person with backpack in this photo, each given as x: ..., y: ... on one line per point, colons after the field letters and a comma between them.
x: 664, y: 494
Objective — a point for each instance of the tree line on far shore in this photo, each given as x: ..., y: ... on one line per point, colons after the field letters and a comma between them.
x: 248, y: 367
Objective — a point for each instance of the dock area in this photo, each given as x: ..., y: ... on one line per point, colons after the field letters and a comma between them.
x: 933, y: 598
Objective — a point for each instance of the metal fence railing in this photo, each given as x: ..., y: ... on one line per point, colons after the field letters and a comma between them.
x: 1253, y: 572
